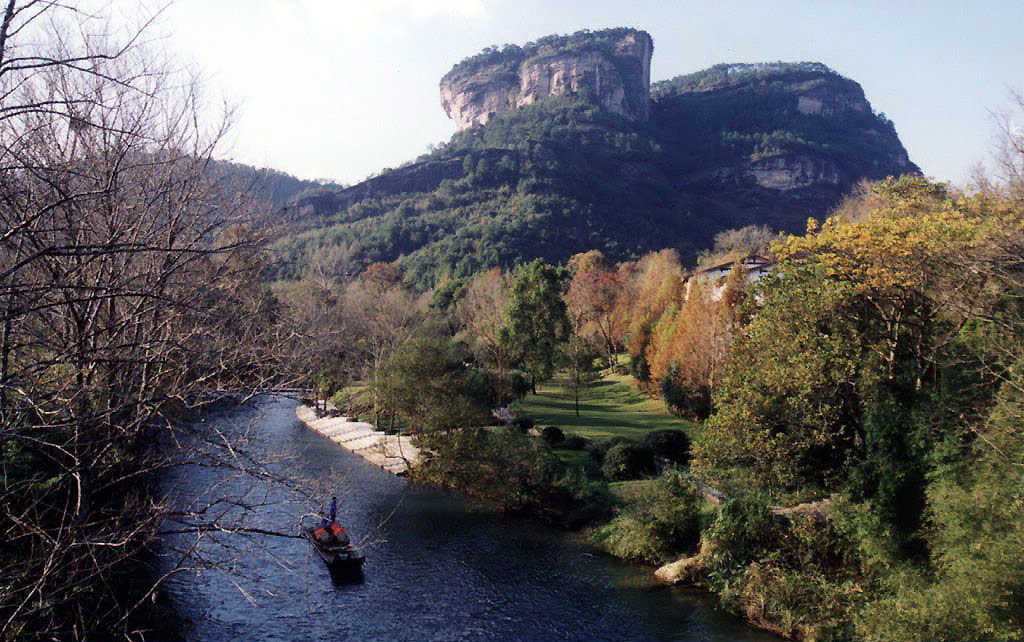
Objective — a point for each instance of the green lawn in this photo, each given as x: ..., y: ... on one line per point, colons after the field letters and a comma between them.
x: 613, y: 406
x: 629, y: 491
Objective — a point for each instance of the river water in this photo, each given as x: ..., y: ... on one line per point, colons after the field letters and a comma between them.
x: 435, y: 569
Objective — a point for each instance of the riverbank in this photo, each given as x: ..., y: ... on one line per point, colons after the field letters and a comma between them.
x: 437, y: 567
x: 392, y: 453
x: 501, y: 450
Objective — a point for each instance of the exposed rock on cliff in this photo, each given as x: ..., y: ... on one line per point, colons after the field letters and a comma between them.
x: 612, y: 67
x: 773, y: 143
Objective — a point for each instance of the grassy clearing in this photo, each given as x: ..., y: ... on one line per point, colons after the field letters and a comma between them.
x: 630, y: 491
x: 355, y: 400
x: 613, y: 407
x: 576, y: 458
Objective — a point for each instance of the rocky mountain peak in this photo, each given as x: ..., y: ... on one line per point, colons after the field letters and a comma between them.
x: 612, y: 67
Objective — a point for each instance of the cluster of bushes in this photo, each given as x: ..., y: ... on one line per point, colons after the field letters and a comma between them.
x: 553, y: 435
x: 516, y: 469
x: 514, y: 472
x: 619, y: 458
x: 656, y: 525
x: 797, y: 574
x: 623, y: 459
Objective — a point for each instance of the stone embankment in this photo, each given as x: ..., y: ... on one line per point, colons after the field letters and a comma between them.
x: 393, y: 453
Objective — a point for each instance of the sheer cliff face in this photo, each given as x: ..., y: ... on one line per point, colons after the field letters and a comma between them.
x: 840, y: 102
x: 616, y: 75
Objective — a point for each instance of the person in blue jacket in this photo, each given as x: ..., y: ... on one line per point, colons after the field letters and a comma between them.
x: 334, y: 510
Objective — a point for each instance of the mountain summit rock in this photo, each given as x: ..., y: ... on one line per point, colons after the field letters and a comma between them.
x: 612, y: 67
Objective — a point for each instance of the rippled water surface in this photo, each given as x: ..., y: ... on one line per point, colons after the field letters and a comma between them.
x: 435, y: 570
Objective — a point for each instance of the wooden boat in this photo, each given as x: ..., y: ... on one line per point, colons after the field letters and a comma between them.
x: 336, y: 550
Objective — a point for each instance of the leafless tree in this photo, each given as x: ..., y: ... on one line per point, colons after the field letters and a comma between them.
x: 382, y: 316
x: 1009, y: 147
x: 481, y: 313
x: 130, y: 294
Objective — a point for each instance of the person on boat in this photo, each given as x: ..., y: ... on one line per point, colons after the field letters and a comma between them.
x: 334, y: 510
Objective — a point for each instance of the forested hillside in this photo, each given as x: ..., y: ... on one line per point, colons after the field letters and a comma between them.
x: 731, y: 146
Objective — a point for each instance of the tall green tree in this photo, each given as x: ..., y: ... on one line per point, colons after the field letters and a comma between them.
x: 537, y: 322
x: 425, y: 384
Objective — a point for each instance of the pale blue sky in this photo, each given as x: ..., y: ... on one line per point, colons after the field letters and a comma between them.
x: 340, y: 89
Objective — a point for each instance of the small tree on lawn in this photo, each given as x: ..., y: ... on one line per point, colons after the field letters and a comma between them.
x: 579, y: 357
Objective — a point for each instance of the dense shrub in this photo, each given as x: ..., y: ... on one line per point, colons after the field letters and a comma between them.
x: 628, y: 461
x: 639, y: 369
x: 601, y: 448
x: 683, y: 400
x: 520, y: 384
x: 479, y: 385
x: 553, y: 435
x: 588, y: 500
x: 503, y: 466
x: 799, y: 575
x: 805, y: 604
x: 575, y: 442
x: 513, y: 472
x: 523, y: 423
x: 660, y: 523
x: 672, y: 445
x: 744, y: 530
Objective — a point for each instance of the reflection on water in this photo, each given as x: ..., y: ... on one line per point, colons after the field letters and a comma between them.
x: 434, y: 570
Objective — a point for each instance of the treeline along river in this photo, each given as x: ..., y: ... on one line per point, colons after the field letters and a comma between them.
x: 435, y: 569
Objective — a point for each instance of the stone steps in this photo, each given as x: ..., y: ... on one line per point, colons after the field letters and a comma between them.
x: 392, y: 453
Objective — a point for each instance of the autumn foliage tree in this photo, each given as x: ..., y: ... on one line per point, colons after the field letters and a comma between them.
x: 657, y: 287
x: 592, y: 300
x: 690, y: 341
x: 684, y: 354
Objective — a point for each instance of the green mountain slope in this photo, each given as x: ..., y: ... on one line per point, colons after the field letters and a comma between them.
x: 735, y: 144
